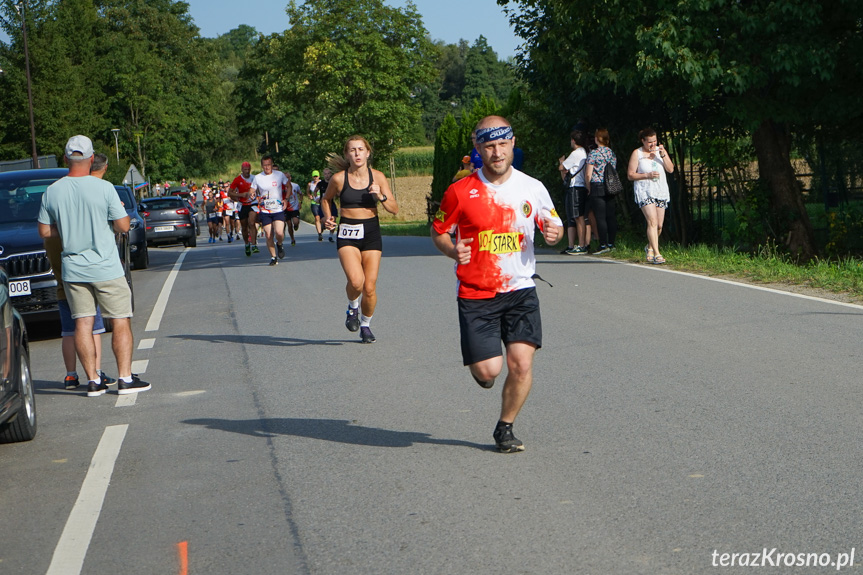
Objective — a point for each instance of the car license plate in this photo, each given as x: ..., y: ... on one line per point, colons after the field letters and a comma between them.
x: 164, y: 228
x: 19, y: 287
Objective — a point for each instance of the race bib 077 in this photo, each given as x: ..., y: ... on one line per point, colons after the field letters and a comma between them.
x: 351, y: 231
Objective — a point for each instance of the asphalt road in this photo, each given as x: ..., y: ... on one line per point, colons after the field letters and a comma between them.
x: 673, y: 419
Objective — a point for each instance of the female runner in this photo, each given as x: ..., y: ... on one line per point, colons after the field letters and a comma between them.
x: 359, y: 189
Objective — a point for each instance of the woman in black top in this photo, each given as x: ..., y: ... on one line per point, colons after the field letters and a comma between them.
x: 360, y: 189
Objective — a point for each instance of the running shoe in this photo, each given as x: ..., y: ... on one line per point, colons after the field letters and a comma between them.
x: 565, y: 251
x: 274, y: 262
x: 332, y: 240
x: 71, y: 382
x: 320, y: 238
x: 504, y: 440
x: 220, y: 238
x: 293, y: 242
x: 230, y: 238
x: 106, y: 380
x: 255, y: 249
x: 484, y: 384
x: 578, y: 251
x: 95, y: 389
x: 367, y: 335
x: 281, y: 249
x: 353, y: 320
x: 602, y: 250
x: 134, y: 386
x: 248, y: 250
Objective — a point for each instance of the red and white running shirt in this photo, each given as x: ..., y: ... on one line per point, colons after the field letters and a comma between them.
x: 243, y: 185
x: 270, y: 191
x: 501, y: 220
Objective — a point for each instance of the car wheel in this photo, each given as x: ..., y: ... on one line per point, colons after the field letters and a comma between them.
x: 192, y: 242
x: 23, y: 426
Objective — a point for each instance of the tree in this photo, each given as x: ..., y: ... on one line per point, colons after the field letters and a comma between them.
x: 485, y: 75
x: 344, y: 67
x: 161, y: 89
x: 132, y: 64
x: 768, y: 67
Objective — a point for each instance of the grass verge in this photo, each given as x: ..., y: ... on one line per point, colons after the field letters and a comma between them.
x: 405, y: 229
x: 768, y: 266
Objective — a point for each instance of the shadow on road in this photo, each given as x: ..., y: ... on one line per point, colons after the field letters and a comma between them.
x: 340, y: 431
x: 277, y: 341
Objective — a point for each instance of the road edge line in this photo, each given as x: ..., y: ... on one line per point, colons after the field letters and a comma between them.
x: 74, y: 542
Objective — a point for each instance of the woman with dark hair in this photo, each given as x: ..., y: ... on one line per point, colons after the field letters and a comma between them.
x: 572, y: 171
x: 647, y: 167
x: 601, y: 204
x: 360, y: 189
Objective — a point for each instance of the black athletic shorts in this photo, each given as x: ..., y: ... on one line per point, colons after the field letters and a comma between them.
x: 371, y: 231
x: 267, y: 219
x: 245, y: 211
x: 575, y: 204
x: 292, y: 214
x: 507, y: 317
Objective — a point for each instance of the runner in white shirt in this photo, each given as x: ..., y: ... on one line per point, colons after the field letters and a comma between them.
x: 292, y: 215
x: 269, y: 187
x: 228, y: 217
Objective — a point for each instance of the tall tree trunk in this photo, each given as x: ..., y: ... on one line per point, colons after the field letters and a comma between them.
x: 773, y: 148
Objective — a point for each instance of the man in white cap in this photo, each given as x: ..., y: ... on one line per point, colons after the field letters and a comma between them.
x: 85, y: 212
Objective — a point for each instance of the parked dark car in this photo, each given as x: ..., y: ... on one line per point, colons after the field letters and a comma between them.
x: 140, y: 256
x: 32, y: 285
x: 186, y: 194
x: 17, y: 406
x: 169, y: 221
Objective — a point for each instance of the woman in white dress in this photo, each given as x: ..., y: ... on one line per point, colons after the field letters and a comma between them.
x: 647, y: 168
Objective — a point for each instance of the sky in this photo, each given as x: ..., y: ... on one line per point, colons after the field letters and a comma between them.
x: 447, y: 20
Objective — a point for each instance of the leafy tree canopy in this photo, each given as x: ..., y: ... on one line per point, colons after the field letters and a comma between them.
x: 344, y: 67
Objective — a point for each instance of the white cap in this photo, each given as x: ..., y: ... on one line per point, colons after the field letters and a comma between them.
x: 81, y: 145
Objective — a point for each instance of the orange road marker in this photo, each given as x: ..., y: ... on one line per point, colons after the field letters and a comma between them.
x: 183, y: 552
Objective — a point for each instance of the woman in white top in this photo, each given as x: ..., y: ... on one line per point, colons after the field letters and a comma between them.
x: 647, y: 168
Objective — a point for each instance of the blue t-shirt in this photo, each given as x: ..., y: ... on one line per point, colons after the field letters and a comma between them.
x: 475, y: 159
x: 82, y: 209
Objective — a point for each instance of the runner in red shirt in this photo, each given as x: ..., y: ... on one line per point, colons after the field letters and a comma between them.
x: 241, y: 191
x: 494, y: 213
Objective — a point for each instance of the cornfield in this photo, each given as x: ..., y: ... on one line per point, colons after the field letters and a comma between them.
x: 418, y: 161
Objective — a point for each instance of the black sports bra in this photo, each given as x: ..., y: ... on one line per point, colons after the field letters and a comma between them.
x: 353, y: 198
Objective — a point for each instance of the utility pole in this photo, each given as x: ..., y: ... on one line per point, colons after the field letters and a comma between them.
x: 21, y: 8
x: 116, y: 142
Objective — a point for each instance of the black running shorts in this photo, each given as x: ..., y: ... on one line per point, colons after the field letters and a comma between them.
x: 267, y: 219
x: 507, y: 317
x: 371, y: 231
x: 245, y: 211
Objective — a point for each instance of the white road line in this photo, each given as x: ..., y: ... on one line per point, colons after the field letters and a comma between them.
x: 147, y: 343
x: 126, y: 400
x: 161, y: 303
x: 139, y: 366
x: 72, y: 548
x: 739, y: 284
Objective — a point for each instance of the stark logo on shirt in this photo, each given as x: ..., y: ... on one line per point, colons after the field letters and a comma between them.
x: 506, y: 243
